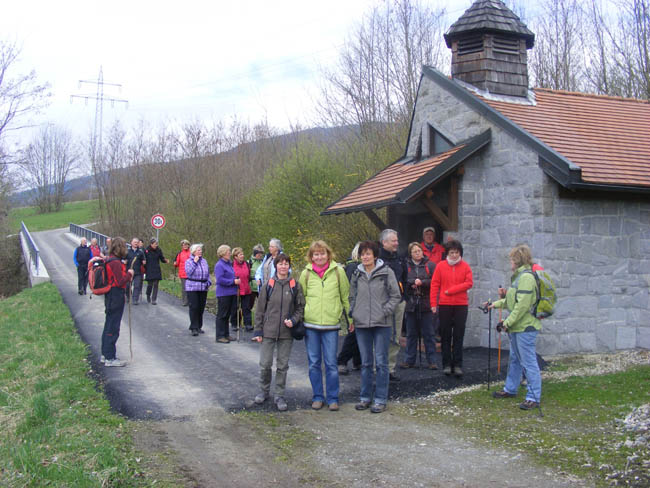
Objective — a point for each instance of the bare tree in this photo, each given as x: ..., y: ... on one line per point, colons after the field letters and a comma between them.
x: 47, y: 162
x: 20, y: 94
x: 378, y: 72
x: 557, y: 61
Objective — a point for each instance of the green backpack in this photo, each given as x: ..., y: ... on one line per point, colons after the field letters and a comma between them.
x: 546, y: 296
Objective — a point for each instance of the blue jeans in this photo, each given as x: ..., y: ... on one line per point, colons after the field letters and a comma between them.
x: 524, y: 359
x: 379, y: 339
x: 321, y: 347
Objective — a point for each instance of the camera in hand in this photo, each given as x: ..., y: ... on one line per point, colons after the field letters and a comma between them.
x: 500, y: 326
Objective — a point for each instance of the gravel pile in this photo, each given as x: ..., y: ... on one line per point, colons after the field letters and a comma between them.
x: 637, y: 469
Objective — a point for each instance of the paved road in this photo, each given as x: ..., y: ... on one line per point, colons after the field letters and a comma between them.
x: 175, y: 375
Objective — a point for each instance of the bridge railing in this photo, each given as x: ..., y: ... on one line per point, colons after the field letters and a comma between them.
x: 88, y: 234
x: 34, y: 253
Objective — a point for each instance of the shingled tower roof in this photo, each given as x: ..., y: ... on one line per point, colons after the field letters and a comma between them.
x: 489, y: 16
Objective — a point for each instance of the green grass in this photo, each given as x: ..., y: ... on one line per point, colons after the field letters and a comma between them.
x: 578, y: 433
x: 57, y: 429
x: 83, y: 212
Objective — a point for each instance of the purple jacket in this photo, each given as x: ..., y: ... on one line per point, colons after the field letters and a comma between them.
x: 224, y: 277
x: 198, y: 275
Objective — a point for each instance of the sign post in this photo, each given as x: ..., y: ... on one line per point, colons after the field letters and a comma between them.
x: 157, y: 222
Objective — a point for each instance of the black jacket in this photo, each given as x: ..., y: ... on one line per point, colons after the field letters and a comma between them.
x: 418, y: 298
x: 154, y: 257
x: 396, y: 263
x: 138, y: 255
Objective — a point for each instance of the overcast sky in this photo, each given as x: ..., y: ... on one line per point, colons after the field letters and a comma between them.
x: 184, y: 60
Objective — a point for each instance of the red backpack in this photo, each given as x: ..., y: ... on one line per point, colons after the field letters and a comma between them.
x: 98, y: 279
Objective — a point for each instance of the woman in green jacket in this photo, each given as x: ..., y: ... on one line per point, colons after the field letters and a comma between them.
x: 326, y: 288
x: 522, y: 328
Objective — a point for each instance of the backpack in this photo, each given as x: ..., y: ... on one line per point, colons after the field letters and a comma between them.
x: 546, y: 295
x: 98, y: 279
x: 298, y: 330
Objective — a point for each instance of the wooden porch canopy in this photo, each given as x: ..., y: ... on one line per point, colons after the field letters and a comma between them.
x: 407, y: 180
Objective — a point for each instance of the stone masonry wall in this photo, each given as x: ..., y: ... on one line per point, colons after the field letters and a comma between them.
x: 597, y: 250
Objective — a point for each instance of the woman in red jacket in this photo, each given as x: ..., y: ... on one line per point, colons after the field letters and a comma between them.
x: 451, y: 280
x: 242, y: 271
x: 182, y: 256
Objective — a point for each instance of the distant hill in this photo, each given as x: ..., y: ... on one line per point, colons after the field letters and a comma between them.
x: 82, y: 188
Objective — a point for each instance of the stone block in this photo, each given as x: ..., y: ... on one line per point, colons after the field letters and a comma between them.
x: 610, y: 207
x: 626, y: 337
x: 586, y: 306
x: 568, y: 225
x: 544, y: 224
x: 606, y: 336
x: 468, y: 197
x: 600, y: 226
x: 615, y: 226
x: 616, y: 315
x: 490, y: 238
x: 643, y: 337
x: 587, y: 342
x: 576, y: 324
x: 631, y: 226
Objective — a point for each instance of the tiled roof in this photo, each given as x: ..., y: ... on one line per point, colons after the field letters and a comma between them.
x: 405, y: 179
x: 489, y: 16
x: 607, y: 137
x: 383, y: 188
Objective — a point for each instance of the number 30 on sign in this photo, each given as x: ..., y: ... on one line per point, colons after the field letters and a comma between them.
x: 158, y: 221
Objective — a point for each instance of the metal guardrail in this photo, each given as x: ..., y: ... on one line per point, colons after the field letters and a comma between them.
x: 88, y: 234
x: 34, y: 253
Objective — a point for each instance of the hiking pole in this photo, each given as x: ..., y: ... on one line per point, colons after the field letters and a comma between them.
x: 499, y: 353
x: 238, y: 313
x: 130, y: 300
x: 486, y: 309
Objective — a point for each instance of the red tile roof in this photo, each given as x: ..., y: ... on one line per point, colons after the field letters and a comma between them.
x: 607, y: 137
x: 384, y: 187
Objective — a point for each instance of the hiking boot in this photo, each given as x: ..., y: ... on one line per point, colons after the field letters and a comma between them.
x: 114, y: 363
x: 201, y: 331
x: 333, y: 407
x: 231, y: 338
x: 194, y: 332
x: 458, y: 371
x: 502, y: 394
x: 528, y: 405
x: 81, y: 292
x: 222, y: 340
x: 406, y: 365
x: 378, y: 408
x: 148, y: 299
x: 343, y: 369
x: 393, y: 377
x: 362, y: 405
x: 249, y: 328
x: 281, y: 403
x: 261, y: 398
x: 153, y: 302
x: 433, y: 366
x: 356, y: 367
x: 317, y: 405
x: 447, y: 370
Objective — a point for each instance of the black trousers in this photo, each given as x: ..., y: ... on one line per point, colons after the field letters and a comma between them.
x: 245, y: 304
x: 137, y: 289
x: 226, y: 306
x: 152, y: 290
x: 196, y: 301
x: 82, y: 278
x: 349, y: 350
x: 114, y: 309
x: 452, y: 333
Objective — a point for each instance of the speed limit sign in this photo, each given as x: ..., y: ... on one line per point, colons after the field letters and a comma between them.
x: 158, y: 221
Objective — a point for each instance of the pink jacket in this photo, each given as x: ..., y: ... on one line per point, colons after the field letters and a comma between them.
x: 242, y: 271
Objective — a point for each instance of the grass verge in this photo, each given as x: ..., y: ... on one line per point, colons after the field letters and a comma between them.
x: 57, y: 429
x: 579, y: 434
x: 82, y: 212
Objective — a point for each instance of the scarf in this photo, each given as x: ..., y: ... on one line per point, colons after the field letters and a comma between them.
x: 452, y: 262
x: 320, y: 271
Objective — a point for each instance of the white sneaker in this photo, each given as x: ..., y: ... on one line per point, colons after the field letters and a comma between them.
x: 102, y: 359
x: 114, y: 363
